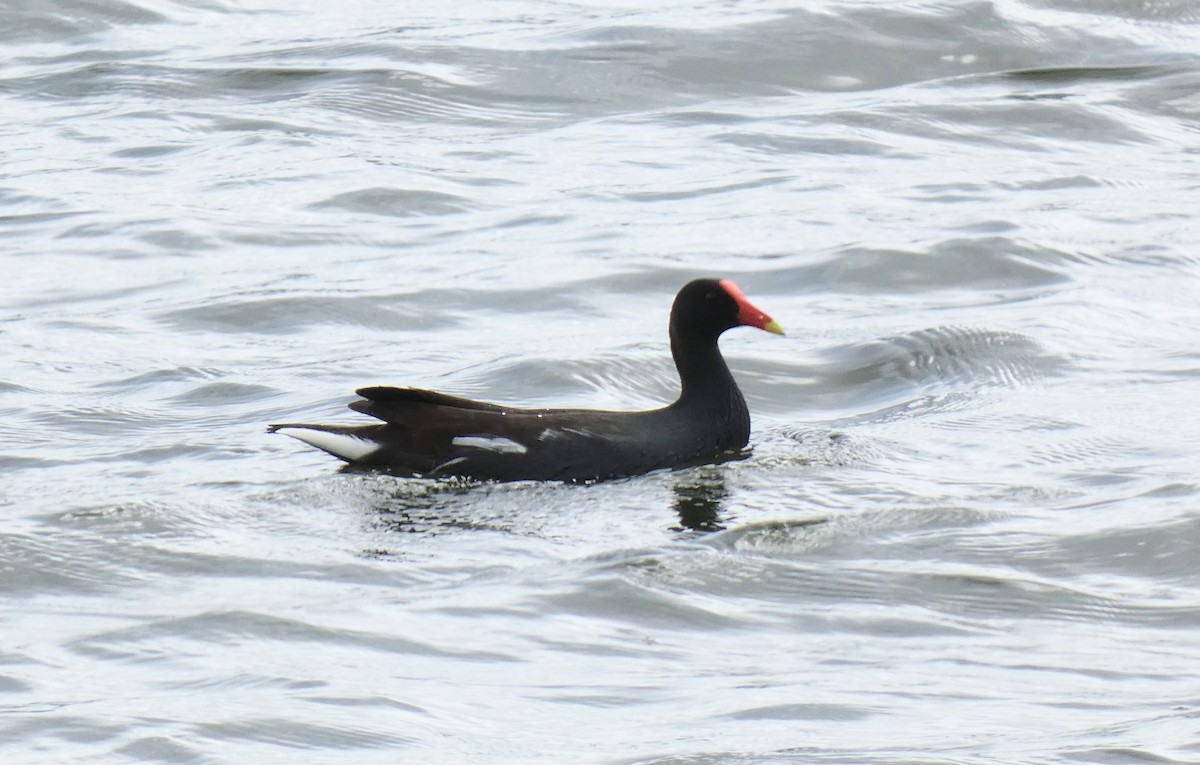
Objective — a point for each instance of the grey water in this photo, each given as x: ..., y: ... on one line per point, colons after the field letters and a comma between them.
x: 969, y: 528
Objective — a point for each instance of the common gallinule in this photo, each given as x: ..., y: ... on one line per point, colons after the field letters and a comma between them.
x: 431, y: 434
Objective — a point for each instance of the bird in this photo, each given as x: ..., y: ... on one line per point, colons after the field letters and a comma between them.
x: 427, y: 434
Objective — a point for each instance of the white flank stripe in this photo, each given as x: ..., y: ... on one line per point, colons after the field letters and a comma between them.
x: 551, y: 433
x: 446, y: 464
x: 491, y: 443
x: 338, y: 444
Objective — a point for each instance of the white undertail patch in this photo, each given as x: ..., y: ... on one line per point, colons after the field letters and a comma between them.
x: 342, y: 445
x: 490, y: 443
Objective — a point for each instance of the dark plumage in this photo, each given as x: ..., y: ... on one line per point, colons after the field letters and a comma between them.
x: 431, y: 434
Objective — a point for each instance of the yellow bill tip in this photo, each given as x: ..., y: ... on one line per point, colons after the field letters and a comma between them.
x: 773, y: 326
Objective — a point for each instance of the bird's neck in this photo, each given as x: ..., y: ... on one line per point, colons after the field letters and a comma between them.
x: 703, y: 374
x: 709, y: 394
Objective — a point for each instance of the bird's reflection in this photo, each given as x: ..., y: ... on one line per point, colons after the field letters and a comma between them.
x: 423, y: 507
x: 700, y: 501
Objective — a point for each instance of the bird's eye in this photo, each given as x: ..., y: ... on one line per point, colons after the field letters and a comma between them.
x: 709, y: 295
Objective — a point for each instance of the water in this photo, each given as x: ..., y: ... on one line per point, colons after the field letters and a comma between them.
x: 968, y: 531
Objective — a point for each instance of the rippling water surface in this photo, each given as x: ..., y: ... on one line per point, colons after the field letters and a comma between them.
x: 969, y: 528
